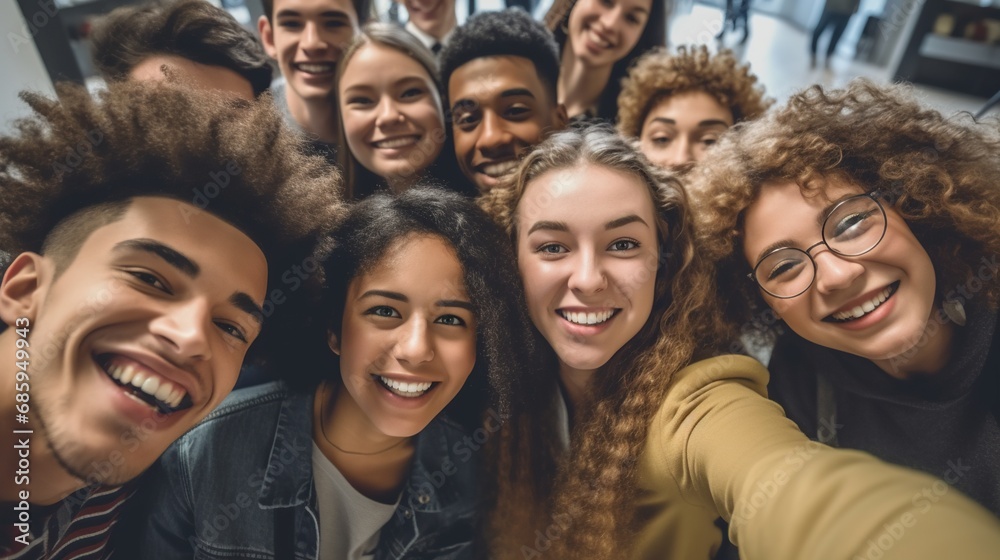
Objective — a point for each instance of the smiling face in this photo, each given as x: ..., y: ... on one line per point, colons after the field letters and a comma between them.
x: 198, y: 75
x: 392, y: 120
x: 147, y: 318
x: 307, y: 37
x: 681, y: 128
x: 897, y: 274
x: 431, y: 16
x: 587, y: 252
x: 500, y: 110
x: 408, y: 339
x: 602, y: 32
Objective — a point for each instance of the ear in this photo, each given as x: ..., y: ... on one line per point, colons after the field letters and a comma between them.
x: 22, y: 288
x: 561, y: 118
x: 267, y: 36
x: 333, y: 342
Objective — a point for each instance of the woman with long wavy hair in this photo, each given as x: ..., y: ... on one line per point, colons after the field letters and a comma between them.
x: 646, y: 431
x: 861, y: 231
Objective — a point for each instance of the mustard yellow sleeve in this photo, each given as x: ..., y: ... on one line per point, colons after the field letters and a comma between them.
x: 718, y: 442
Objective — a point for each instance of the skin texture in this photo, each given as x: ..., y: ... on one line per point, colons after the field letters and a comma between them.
x: 681, y: 128
x: 309, y: 32
x: 572, y: 261
x: 200, y: 76
x: 500, y: 110
x: 782, y: 213
x: 132, y: 305
x: 429, y: 337
x: 434, y: 17
x: 379, y: 106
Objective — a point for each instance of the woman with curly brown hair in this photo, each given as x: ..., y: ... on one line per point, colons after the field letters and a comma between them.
x: 646, y: 431
x: 598, y: 41
x: 678, y: 105
x: 869, y: 226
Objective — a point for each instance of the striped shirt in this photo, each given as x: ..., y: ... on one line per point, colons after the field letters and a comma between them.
x: 79, y: 529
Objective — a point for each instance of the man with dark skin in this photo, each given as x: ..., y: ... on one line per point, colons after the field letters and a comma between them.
x: 120, y: 326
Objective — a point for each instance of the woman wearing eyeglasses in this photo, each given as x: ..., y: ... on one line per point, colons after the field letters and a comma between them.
x: 861, y: 231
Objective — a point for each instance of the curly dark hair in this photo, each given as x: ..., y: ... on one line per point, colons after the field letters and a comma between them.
x: 511, y: 32
x: 81, y: 153
x: 595, y: 484
x: 938, y: 173
x: 658, y: 75
x: 505, y: 342
x: 191, y: 29
x: 653, y: 35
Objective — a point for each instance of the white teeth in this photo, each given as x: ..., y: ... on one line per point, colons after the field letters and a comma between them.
x: 139, y: 378
x: 587, y: 318
x: 315, y: 68
x: 163, y: 390
x: 599, y: 40
x: 866, y: 307
x: 404, y: 389
x: 150, y: 385
x: 500, y: 169
x: 126, y: 374
x: 116, y: 372
x: 393, y: 143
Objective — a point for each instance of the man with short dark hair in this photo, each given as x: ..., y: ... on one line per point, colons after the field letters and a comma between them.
x: 500, y: 71
x: 148, y: 256
x: 192, y: 40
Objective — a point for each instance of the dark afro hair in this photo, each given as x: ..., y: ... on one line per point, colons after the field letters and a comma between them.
x: 510, y: 32
x: 236, y: 160
x: 191, y: 29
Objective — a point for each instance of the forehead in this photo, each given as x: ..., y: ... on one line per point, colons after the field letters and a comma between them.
x: 231, y: 258
x: 485, y: 79
x: 420, y: 266
x: 201, y: 76
x: 689, y: 107
x: 584, y: 195
x: 369, y: 63
x: 306, y: 7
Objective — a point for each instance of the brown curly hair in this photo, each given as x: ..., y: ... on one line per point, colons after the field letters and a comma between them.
x: 659, y: 74
x: 133, y: 139
x: 938, y: 173
x: 594, y: 485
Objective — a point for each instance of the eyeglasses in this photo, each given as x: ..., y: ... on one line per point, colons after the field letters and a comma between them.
x: 853, y: 227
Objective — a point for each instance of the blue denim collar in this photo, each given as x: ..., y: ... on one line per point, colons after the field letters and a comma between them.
x: 288, y: 476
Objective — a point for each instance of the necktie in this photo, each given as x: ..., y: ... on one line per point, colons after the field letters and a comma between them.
x: 436, y: 48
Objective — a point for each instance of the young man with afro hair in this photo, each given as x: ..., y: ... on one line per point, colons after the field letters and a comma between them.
x: 499, y: 71
x: 156, y: 233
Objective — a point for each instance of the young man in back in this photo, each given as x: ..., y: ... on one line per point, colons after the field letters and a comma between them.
x: 500, y: 70
x: 148, y: 256
x: 306, y: 38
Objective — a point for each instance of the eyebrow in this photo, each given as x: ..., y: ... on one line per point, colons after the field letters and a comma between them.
x: 402, y: 297
x: 706, y: 122
x: 174, y: 258
x: 329, y: 14
x: 516, y: 92
x: 820, y: 220
x: 561, y: 226
x: 624, y: 221
x: 466, y: 103
x: 773, y: 246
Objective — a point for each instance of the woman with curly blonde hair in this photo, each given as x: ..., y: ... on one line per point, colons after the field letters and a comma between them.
x: 678, y: 105
x: 645, y: 431
x: 869, y: 226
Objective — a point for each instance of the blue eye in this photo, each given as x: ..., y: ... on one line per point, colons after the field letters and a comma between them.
x: 452, y: 320
x: 383, y: 311
x: 551, y: 249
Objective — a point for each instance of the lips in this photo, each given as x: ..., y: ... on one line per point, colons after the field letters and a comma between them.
x: 397, y: 142
x: 315, y: 68
x: 145, y: 384
x: 858, y: 310
x: 598, y: 39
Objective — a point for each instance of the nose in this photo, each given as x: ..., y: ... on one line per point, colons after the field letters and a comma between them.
x: 312, y: 39
x: 679, y: 152
x: 414, y: 345
x: 492, y: 134
x: 834, y: 272
x: 387, y: 113
x: 588, y: 275
x: 183, y: 328
x: 609, y: 19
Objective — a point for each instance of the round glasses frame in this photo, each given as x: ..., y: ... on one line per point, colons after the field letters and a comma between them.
x: 872, y: 195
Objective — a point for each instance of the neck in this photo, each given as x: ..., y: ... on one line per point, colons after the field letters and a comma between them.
x: 51, y: 482
x: 576, y: 385
x: 374, y: 463
x: 439, y: 29
x: 398, y: 184
x: 319, y: 118
x: 580, y: 85
x: 928, y: 355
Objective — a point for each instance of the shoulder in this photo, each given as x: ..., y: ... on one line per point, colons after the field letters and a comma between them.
x: 723, y: 368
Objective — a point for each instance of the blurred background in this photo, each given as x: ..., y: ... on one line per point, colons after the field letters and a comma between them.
x: 949, y: 49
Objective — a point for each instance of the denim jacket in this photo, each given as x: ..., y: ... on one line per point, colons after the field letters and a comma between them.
x: 244, y: 474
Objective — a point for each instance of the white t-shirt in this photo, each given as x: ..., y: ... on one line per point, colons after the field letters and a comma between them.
x: 349, y: 522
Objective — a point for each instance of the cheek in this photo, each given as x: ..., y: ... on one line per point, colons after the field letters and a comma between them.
x: 356, y: 126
